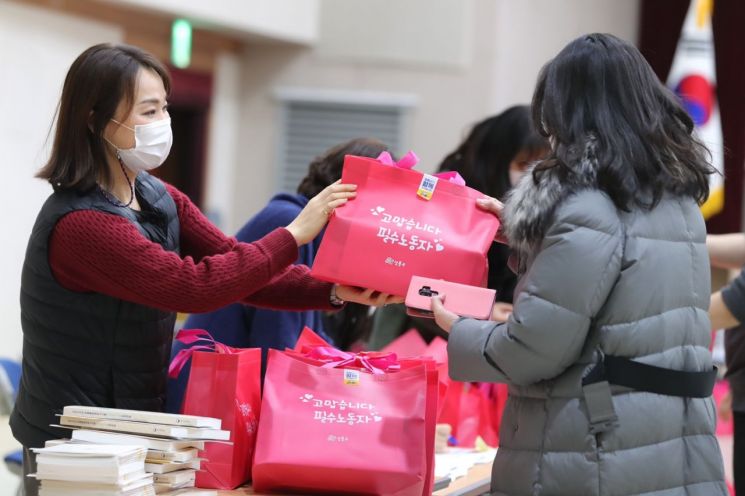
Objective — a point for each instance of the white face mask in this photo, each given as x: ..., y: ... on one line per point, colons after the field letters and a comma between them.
x: 515, y: 176
x: 152, y: 145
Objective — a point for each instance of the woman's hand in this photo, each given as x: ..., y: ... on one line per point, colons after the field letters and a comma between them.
x: 501, y: 311
x: 444, y: 317
x: 491, y: 205
x: 311, y: 220
x: 368, y: 297
x: 496, y: 207
x: 725, y: 408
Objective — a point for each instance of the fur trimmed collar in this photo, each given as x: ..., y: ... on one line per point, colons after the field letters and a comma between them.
x: 530, y: 205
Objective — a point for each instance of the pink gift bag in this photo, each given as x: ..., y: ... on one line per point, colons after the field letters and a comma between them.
x: 404, y: 223
x: 471, y: 409
x: 224, y: 383
x: 725, y: 426
x: 345, y: 423
x: 408, y: 344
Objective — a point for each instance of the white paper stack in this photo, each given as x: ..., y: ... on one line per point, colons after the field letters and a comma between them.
x: 168, y: 425
x: 86, y: 469
x: 171, y: 442
x: 456, y: 462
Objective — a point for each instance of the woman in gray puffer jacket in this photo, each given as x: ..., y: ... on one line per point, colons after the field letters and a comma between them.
x: 610, y: 247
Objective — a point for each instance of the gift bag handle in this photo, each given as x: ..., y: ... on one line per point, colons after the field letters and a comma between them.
x: 408, y: 162
x: 376, y: 363
x: 191, y: 336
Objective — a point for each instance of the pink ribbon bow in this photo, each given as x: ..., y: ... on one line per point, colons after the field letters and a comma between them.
x: 408, y: 162
x: 191, y: 336
x: 373, y: 361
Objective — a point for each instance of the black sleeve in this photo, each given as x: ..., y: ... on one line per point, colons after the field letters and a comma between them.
x: 501, y: 276
x: 734, y: 297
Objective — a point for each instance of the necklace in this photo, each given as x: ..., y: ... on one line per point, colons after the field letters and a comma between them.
x: 115, y: 201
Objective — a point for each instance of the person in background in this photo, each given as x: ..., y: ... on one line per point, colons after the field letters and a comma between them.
x: 606, y: 353
x: 727, y: 311
x: 246, y: 326
x: 491, y: 159
x: 115, y: 253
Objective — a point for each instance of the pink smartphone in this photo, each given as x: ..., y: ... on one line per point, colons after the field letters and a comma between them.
x: 468, y: 301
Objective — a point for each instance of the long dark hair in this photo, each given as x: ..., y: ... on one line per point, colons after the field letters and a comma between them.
x: 100, y: 79
x: 484, y: 157
x: 326, y: 168
x: 600, y: 94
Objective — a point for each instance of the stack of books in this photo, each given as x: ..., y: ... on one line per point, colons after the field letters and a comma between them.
x: 70, y: 469
x: 172, y: 442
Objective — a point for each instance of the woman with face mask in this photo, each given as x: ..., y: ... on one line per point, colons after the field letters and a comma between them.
x: 492, y: 158
x: 115, y: 253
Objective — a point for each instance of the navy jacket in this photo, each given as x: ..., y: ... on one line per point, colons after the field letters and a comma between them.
x: 244, y: 326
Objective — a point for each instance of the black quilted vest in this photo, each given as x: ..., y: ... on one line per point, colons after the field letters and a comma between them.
x: 85, y: 348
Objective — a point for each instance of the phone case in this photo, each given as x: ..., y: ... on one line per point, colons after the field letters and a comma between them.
x: 464, y: 300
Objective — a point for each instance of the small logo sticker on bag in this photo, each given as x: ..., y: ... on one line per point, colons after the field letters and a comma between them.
x: 351, y: 377
x: 427, y: 187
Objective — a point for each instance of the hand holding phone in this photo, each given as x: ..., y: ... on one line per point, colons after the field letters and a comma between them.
x: 464, y: 300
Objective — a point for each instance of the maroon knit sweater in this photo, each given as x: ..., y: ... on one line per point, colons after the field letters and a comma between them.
x: 96, y: 251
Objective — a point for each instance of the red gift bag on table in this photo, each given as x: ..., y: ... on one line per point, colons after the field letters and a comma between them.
x: 224, y: 383
x: 404, y: 223
x: 337, y: 422
x: 410, y: 343
x: 473, y: 410
x: 309, y: 338
x: 721, y: 390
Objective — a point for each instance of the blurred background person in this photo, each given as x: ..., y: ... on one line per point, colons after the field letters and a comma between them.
x: 727, y: 311
x: 492, y: 158
x: 245, y: 326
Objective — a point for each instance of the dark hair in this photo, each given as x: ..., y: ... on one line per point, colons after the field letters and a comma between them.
x: 350, y: 325
x: 599, y: 94
x: 353, y: 322
x: 100, y: 79
x: 326, y: 168
x: 484, y: 157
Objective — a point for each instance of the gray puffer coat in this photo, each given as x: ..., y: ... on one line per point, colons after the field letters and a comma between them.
x: 595, y: 279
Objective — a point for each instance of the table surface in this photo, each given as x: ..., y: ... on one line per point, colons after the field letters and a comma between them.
x: 474, y: 483
x: 478, y: 475
x: 477, y: 481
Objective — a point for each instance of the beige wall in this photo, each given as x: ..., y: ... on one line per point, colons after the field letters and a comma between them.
x: 448, y: 97
x: 410, y: 33
x: 38, y: 46
x: 528, y: 33
x: 497, y: 49
x: 281, y: 20
x: 223, y: 144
